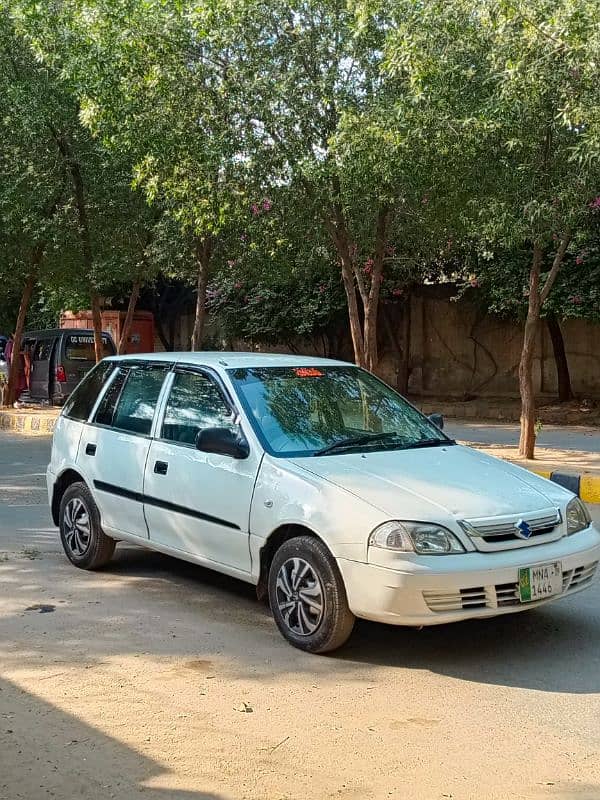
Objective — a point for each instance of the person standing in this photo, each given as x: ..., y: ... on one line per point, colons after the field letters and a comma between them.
x: 9, y: 349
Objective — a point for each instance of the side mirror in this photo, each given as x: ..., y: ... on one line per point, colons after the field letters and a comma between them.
x: 223, y: 441
x: 438, y: 420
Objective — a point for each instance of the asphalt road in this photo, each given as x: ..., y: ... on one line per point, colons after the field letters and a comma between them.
x: 573, y: 437
x: 154, y: 678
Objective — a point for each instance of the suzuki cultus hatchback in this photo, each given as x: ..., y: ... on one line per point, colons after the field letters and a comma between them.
x: 314, y: 481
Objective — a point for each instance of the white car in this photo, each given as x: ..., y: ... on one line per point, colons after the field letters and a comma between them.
x: 316, y: 482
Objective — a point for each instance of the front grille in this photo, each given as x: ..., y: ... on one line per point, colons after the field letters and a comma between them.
x: 499, y: 595
x: 499, y: 532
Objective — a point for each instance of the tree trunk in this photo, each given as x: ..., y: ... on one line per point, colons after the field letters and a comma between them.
x: 565, y: 392
x: 203, y: 253
x: 404, y: 366
x: 537, y: 298
x: 526, y: 387
x: 133, y: 298
x: 353, y: 313
x: 66, y: 152
x: 401, y: 347
x: 372, y: 299
x: 15, y: 361
x: 97, y: 323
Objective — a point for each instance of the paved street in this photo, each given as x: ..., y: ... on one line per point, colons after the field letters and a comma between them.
x: 572, y: 438
x: 158, y: 679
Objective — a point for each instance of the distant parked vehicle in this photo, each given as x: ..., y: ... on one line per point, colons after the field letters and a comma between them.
x: 60, y: 358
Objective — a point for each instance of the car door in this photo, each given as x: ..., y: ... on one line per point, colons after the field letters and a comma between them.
x: 198, y: 502
x: 113, y: 449
x: 40, y: 368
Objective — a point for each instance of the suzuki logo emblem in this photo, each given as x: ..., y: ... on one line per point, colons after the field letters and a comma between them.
x: 522, y: 529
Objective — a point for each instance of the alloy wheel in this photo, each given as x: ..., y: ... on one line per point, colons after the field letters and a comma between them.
x: 77, y: 530
x: 300, y: 597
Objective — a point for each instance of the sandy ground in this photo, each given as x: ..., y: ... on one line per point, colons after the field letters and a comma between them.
x: 159, y: 679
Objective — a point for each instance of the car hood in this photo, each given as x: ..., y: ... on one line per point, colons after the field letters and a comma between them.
x: 422, y: 483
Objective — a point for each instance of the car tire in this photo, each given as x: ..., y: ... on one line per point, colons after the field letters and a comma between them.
x: 307, y: 596
x: 83, y: 540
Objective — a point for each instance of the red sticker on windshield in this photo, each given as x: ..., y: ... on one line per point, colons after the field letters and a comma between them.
x: 308, y: 372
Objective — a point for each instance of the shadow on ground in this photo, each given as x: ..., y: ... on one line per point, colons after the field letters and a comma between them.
x: 111, y: 613
x: 61, y: 756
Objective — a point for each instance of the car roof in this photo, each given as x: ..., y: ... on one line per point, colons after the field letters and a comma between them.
x: 57, y: 331
x: 222, y: 360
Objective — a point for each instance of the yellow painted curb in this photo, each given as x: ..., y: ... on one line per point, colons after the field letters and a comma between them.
x: 589, y: 488
x: 542, y: 473
x: 27, y: 424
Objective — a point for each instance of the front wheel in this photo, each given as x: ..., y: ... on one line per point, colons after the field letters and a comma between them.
x: 308, y: 597
x: 84, y: 542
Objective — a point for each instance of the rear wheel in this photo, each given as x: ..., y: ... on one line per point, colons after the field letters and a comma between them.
x: 84, y: 542
x: 307, y: 596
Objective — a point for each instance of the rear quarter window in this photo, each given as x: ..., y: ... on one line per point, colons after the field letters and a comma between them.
x: 80, y: 347
x: 80, y: 403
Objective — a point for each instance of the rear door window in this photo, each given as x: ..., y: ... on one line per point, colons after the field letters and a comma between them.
x: 80, y: 347
x: 130, y: 401
x: 80, y: 403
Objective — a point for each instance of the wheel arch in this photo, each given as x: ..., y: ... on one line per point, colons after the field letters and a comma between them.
x: 62, y: 483
x: 274, y: 541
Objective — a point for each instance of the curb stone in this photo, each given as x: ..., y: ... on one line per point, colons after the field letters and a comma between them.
x: 28, y: 424
x: 587, y: 487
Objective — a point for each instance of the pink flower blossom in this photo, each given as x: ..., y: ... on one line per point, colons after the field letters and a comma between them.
x: 368, y: 267
x: 266, y: 204
x: 397, y: 292
x: 576, y: 299
x: 595, y: 204
x: 579, y: 259
x: 255, y: 209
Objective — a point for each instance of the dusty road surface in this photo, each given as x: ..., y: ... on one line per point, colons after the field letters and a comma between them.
x: 161, y: 680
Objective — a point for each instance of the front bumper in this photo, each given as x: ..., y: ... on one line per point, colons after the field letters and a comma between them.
x: 431, y: 590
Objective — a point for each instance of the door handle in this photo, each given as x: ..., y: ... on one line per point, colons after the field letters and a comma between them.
x: 161, y: 467
x: 90, y: 449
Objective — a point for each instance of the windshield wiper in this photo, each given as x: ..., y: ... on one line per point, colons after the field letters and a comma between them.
x: 428, y: 443
x: 355, y: 441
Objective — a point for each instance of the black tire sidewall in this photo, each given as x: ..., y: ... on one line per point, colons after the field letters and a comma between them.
x: 336, y: 624
x: 98, y: 551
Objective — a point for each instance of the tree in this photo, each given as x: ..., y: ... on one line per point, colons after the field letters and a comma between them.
x: 156, y: 96
x: 321, y: 117
x: 33, y: 193
x: 497, y: 281
x: 516, y: 84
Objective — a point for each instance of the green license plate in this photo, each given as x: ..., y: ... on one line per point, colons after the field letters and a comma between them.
x: 540, y: 582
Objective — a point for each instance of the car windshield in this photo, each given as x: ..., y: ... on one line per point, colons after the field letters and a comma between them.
x: 312, y: 411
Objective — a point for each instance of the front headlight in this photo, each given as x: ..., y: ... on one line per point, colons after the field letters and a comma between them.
x: 578, y: 517
x: 425, y: 538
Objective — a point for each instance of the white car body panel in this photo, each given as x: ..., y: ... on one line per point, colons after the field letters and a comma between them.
x: 205, y: 483
x: 119, y: 461
x: 340, y: 498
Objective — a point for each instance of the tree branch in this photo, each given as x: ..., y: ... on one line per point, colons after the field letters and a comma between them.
x: 556, y: 264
